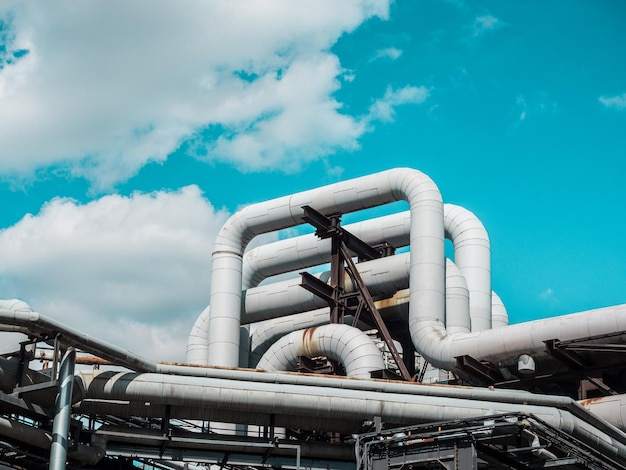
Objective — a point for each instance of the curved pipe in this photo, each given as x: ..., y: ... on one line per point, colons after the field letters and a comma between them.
x: 426, y: 240
x: 457, y: 314
x: 509, y: 342
x: 472, y: 254
x: 346, y: 344
x: 499, y: 315
x: 460, y: 225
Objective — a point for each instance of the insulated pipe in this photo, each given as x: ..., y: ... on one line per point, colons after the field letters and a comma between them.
x: 457, y: 314
x: 63, y: 408
x: 282, y: 299
x: 359, y: 386
x: 383, y: 276
x: 11, y: 343
x: 499, y: 315
x: 472, y: 254
x: 612, y: 409
x: 27, y: 321
x: 346, y: 344
x: 296, y: 403
x: 198, y: 340
x: 426, y: 240
x: 308, y: 250
x: 509, y: 342
x: 304, y: 251
x: 268, y: 332
x: 457, y: 300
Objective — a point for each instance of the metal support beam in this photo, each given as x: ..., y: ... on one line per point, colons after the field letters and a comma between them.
x: 485, y: 372
x: 63, y: 408
x: 342, y: 242
x: 380, y: 323
x: 329, y: 227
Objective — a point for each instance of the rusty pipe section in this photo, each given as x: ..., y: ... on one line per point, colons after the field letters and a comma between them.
x: 612, y: 409
x: 346, y: 344
x: 426, y: 240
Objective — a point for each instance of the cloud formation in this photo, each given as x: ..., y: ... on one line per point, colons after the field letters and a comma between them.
x: 98, y: 90
x: 390, y: 53
x: 485, y: 23
x: 134, y: 271
x: 383, y: 109
x: 614, y: 102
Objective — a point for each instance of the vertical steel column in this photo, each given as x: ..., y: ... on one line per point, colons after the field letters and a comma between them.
x: 63, y: 408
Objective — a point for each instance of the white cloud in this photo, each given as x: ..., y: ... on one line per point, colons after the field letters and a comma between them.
x: 534, y: 104
x: 390, y: 53
x: 547, y: 294
x: 384, y: 108
x: 108, y: 86
x: 615, y: 102
x: 484, y: 24
x: 134, y: 271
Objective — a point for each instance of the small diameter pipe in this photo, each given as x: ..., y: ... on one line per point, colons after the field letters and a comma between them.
x: 63, y: 409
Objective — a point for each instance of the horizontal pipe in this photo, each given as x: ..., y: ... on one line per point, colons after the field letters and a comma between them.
x: 383, y: 276
x: 29, y: 322
x: 509, y: 342
x: 299, y: 402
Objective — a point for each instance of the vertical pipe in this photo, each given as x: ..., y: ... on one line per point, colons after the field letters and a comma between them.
x: 63, y: 407
x: 472, y: 254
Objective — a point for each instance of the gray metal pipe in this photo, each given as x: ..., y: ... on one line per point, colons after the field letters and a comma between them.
x: 499, y: 315
x: 426, y: 208
x: 63, y: 408
x: 383, y: 276
x: 27, y: 321
x: 612, y: 409
x: 458, y: 318
x: 472, y: 254
x: 303, y: 401
x: 509, y: 342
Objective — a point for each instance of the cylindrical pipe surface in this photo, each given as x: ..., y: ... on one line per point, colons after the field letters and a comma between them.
x: 63, y: 409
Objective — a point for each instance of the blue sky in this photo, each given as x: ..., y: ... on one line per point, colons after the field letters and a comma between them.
x: 129, y: 133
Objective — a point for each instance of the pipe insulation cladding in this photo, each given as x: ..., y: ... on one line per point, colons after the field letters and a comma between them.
x: 426, y: 241
x: 461, y: 226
